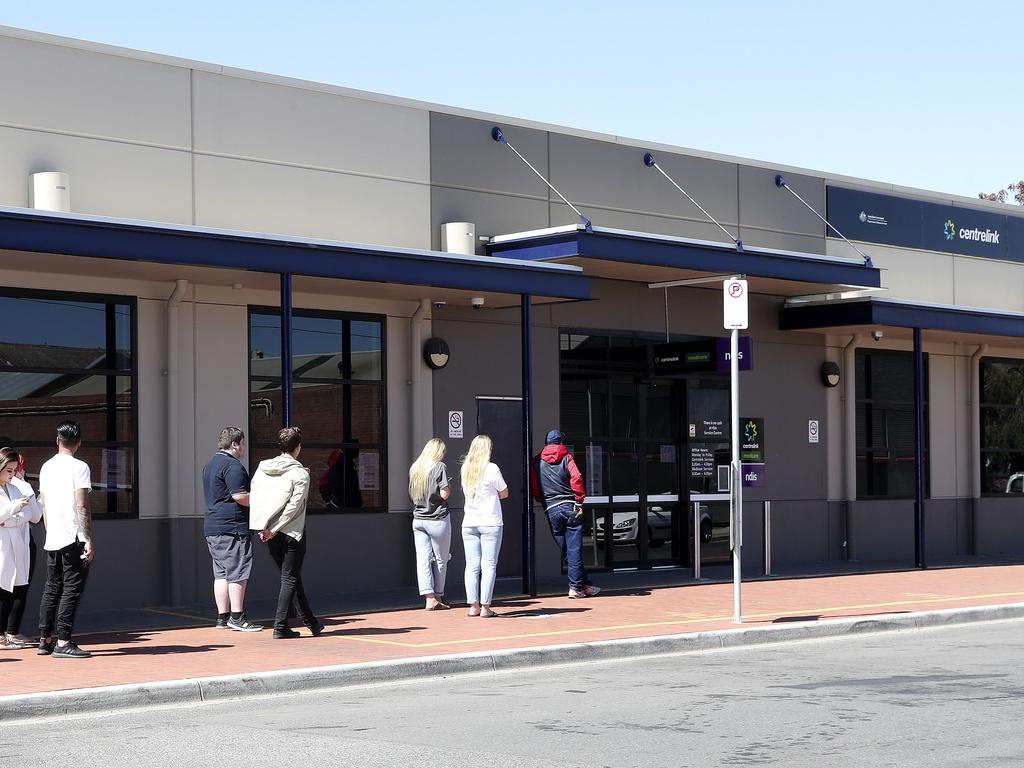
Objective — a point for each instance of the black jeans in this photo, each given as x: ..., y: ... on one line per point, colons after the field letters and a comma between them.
x: 12, y: 604
x: 288, y: 554
x: 66, y: 572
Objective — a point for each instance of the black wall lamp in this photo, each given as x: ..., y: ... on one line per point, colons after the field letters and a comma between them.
x: 830, y: 374
x: 436, y: 353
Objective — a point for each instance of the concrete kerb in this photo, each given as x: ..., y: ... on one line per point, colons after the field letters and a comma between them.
x: 232, y: 687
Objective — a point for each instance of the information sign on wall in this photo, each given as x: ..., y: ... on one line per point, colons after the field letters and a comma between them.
x: 455, y: 423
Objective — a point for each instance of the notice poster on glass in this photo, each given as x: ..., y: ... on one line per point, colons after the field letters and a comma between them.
x: 114, y: 470
x: 595, y: 470
x: 369, y: 471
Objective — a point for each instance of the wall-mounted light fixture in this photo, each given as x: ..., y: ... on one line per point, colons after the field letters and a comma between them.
x: 830, y: 374
x: 436, y: 353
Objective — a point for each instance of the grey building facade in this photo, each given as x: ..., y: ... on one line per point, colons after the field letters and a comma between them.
x: 212, y: 152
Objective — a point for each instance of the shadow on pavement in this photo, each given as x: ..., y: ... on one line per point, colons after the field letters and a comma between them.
x: 159, y: 650
x: 535, y: 613
x: 376, y: 631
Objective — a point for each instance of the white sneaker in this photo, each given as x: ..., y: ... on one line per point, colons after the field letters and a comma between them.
x: 576, y: 593
x: 590, y: 590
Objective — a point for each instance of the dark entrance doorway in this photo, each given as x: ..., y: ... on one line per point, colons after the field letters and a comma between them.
x: 501, y: 419
x: 650, y: 449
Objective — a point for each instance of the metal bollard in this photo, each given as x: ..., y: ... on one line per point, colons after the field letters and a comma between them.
x: 767, y: 538
x: 696, y: 540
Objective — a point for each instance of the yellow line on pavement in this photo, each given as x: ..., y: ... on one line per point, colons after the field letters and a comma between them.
x: 681, y: 622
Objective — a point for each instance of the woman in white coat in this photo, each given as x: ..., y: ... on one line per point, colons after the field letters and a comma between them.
x: 18, y: 509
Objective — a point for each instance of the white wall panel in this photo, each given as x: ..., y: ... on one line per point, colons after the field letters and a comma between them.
x: 988, y: 283
x: 942, y: 422
x: 108, y: 178
x: 151, y: 399
x: 222, y: 379
x: 262, y: 197
x: 247, y: 118
x: 72, y: 90
x: 908, y: 275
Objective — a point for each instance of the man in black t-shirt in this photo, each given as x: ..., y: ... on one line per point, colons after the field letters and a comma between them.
x: 226, y: 527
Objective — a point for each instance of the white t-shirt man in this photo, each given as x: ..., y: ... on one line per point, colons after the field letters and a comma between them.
x: 484, y: 507
x: 59, y: 478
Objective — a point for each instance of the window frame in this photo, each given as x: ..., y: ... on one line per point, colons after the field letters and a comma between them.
x: 382, y: 383
x: 982, y: 405
x: 132, y: 373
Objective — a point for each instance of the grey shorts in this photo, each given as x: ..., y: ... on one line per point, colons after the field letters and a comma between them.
x: 232, y: 556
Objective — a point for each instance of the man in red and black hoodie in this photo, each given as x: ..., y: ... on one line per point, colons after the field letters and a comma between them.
x: 556, y: 482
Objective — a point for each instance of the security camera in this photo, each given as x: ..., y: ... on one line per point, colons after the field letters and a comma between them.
x: 439, y: 304
x: 477, y: 302
x: 877, y: 335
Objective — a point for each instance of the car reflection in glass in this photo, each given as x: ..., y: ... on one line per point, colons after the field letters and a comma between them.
x: 625, y: 528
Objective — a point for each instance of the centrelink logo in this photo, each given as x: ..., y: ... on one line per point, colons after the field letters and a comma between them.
x: 951, y: 232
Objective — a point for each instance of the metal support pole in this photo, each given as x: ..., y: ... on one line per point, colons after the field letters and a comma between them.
x: 529, y: 532
x: 737, y: 479
x: 919, y: 553
x: 767, y: 538
x: 286, y: 349
x: 696, y: 540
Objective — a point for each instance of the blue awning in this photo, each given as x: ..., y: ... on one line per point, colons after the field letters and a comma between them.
x: 851, y: 314
x: 642, y: 257
x: 143, y: 241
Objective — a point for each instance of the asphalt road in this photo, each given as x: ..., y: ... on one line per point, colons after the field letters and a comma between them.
x: 939, y: 697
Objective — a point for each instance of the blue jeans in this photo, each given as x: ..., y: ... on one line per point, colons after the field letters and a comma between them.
x: 568, y: 532
x: 482, y: 543
x: 433, y: 540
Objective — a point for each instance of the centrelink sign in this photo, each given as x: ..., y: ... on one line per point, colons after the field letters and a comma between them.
x: 876, y: 218
x: 950, y: 230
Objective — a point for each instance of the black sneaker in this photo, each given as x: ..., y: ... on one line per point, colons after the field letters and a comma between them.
x: 316, y: 627
x: 286, y: 634
x: 70, y: 651
x: 221, y: 623
x: 45, y: 648
x: 242, y: 624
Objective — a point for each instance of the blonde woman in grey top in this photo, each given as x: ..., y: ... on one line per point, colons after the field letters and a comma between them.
x: 429, y: 490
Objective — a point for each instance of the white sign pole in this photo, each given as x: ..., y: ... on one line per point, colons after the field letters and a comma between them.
x: 737, y: 475
x: 735, y: 318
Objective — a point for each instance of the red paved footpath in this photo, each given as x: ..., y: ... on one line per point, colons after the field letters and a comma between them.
x: 149, y: 656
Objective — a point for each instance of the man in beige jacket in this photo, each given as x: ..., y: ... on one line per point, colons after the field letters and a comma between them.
x: 277, y: 509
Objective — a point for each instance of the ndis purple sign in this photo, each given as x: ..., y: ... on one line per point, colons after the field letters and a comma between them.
x: 723, y: 353
x: 753, y: 475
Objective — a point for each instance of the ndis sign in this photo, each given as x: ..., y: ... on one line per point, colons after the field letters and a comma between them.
x: 723, y: 354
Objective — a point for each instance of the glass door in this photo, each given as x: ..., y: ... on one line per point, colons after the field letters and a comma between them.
x: 707, y: 444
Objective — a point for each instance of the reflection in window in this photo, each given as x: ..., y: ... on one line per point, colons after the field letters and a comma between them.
x: 72, y: 359
x: 338, y: 401
x: 885, y: 423
x: 1002, y: 425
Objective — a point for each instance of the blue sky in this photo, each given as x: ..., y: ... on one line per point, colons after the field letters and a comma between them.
x: 923, y: 94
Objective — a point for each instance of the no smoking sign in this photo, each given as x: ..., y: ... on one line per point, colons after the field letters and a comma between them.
x: 455, y: 422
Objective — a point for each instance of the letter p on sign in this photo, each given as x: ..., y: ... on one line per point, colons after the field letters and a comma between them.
x: 734, y: 302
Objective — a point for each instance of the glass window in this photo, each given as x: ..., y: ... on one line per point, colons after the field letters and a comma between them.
x: 1002, y: 425
x: 338, y: 400
x: 885, y: 424
x: 71, y: 359
x: 584, y: 403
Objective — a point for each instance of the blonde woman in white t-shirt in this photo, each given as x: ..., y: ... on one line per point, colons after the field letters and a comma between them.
x: 484, y: 488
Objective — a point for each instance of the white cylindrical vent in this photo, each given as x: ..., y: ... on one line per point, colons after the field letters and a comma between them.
x: 49, y: 191
x: 459, y: 237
